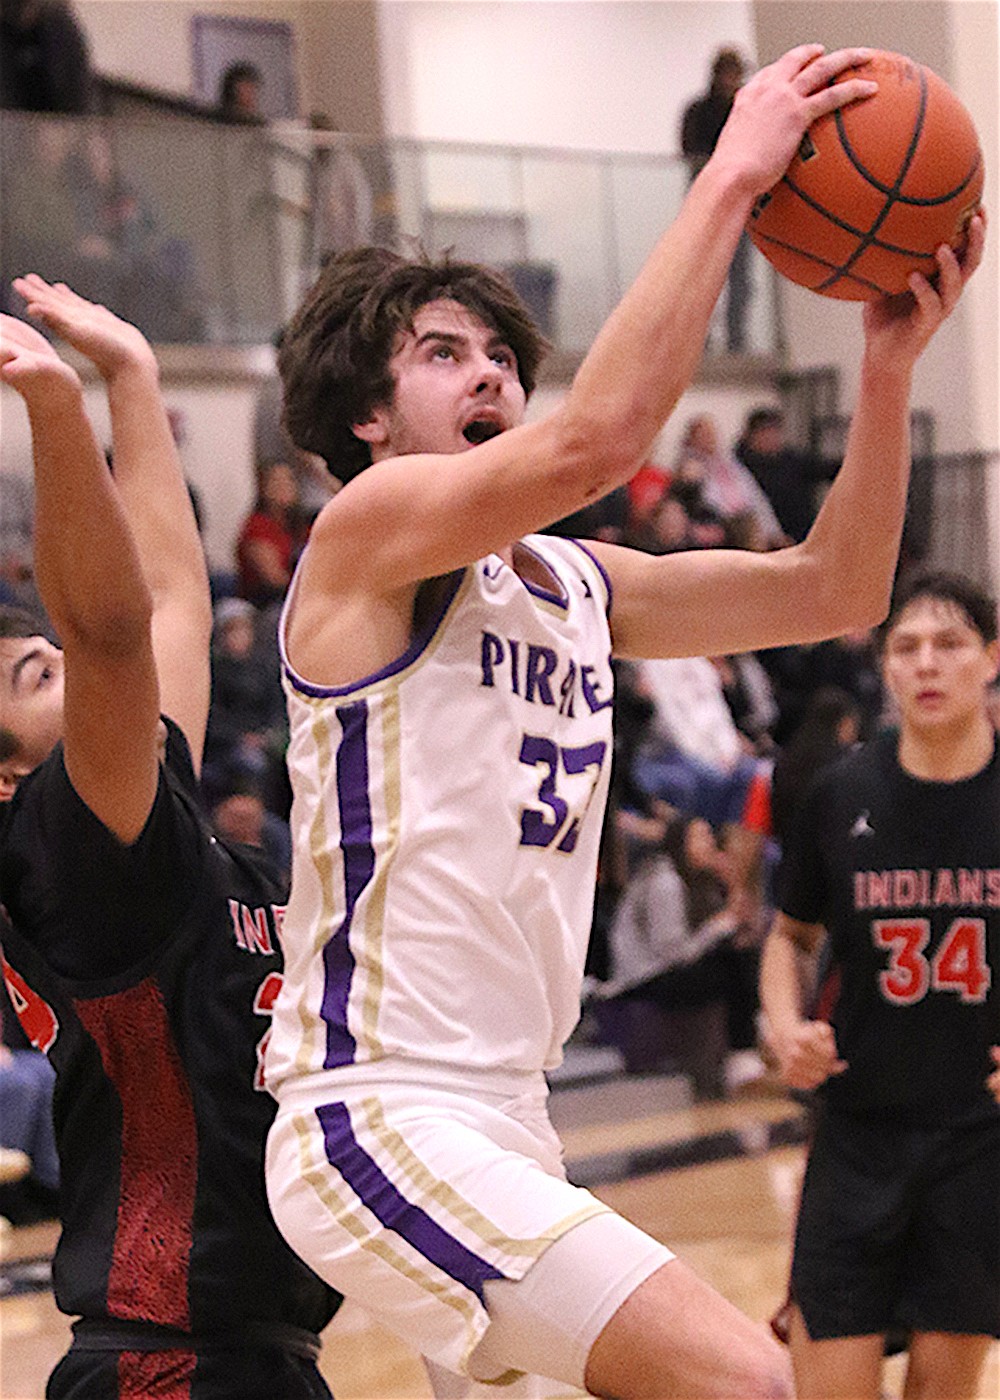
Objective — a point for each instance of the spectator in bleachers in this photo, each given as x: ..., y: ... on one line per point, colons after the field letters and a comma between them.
x: 145, y: 274
x: 271, y: 538
x: 852, y: 663
x: 44, y: 58
x: 788, y: 476
x: 71, y: 214
x: 667, y: 528
x: 645, y: 491
x: 849, y: 662
x: 673, y: 940
x: 727, y: 486
x: 831, y: 724
x: 241, y: 91
x: 706, y: 525
x: 341, y: 209
x: 246, y: 722
x: 26, y: 1084
x: 747, y: 689
x: 605, y: 519
x: 17, y: 519
x: 39, y: 213
x: 239, y: 813
x: 701, y: 126
x: 694, y: 758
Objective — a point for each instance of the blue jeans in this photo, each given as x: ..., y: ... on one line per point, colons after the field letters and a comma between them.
x: 26, y: 1081
x: 695, y: 787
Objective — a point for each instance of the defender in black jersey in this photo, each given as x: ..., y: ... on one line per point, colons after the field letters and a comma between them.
x: 897, y: 857
x: 144, y: 956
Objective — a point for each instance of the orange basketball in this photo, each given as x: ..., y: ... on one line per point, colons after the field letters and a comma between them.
x: 875, y: 187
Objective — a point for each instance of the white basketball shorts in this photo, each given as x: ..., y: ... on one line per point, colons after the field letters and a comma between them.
x: 424, y: 1203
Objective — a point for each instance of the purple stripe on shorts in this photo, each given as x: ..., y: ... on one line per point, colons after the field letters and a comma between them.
x: 366, y: 1178
x: 359, y: 866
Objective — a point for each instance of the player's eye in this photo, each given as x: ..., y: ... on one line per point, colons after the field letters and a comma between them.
x: 504, y: 357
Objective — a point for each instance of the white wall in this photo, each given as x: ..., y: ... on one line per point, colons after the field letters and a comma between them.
x: 149, y: 41
x: 586, y: 74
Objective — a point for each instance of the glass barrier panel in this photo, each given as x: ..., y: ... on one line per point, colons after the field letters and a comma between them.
x: 199, y: 231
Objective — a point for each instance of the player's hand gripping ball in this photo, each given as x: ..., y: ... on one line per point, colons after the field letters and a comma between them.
x: 875, y: 187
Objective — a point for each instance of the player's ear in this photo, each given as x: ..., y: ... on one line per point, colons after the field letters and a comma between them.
x: 993, y: 654
x: 374, y: 430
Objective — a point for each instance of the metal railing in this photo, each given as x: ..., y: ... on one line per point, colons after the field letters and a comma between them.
x: 200, y: 231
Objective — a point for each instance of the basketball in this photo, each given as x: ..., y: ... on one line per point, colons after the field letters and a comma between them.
x: 875, y: 187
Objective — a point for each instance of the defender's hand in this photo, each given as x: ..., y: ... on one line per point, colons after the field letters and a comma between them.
x: 772, y: 111
x: 109, y: 342
x: 29, y: 365
x: 808, y: 1056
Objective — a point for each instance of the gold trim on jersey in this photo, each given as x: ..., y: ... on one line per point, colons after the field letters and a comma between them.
x: 437, y: 1189
x: 374, y: 922
x: 322, y: 859
x: 559, y: 610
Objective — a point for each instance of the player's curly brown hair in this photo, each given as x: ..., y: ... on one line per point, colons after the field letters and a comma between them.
x: 334, y: 354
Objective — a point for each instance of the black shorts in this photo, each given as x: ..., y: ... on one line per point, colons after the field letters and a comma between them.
x: 255, y: 1374
x: 899, y: 1227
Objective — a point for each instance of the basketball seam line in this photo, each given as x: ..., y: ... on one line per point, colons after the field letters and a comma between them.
x: 849, y: 228
x: 823, y: 262
x: 869, y: 238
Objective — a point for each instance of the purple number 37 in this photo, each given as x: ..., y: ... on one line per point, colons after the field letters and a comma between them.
x: 541, y: 827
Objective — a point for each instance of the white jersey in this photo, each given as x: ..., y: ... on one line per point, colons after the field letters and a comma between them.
x: 446, y: 820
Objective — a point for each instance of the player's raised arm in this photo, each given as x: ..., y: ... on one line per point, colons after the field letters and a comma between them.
x: 427, y: 513
x: 92, y: 585
x: 150, y: 483
x: 839, y: 578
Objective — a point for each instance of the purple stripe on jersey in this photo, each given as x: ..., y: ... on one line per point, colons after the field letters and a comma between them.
x: 359, y: 866
x: 366, y: 1178
x: 419, y: 644
x: 600, y: 567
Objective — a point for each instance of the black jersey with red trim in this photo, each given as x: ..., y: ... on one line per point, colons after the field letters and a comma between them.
x: 147, y: 973
x: 905, y: 875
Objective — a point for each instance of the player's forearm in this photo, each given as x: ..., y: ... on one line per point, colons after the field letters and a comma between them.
x: 855, y: 540
x: 647, y: 352
x: 86, y: 564
x: 780, y: 989
x: 150, y: 480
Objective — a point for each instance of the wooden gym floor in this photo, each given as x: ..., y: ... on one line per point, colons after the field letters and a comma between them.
x: 724, y: 1199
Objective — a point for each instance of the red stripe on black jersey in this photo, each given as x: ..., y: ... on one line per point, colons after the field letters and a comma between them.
x: 148, y: 1278
x: 155, y: 1375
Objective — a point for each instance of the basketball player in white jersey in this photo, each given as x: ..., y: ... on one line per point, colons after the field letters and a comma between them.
x: 450, y: 696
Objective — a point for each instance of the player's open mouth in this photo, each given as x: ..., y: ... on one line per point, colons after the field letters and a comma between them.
x: 481, y: 430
